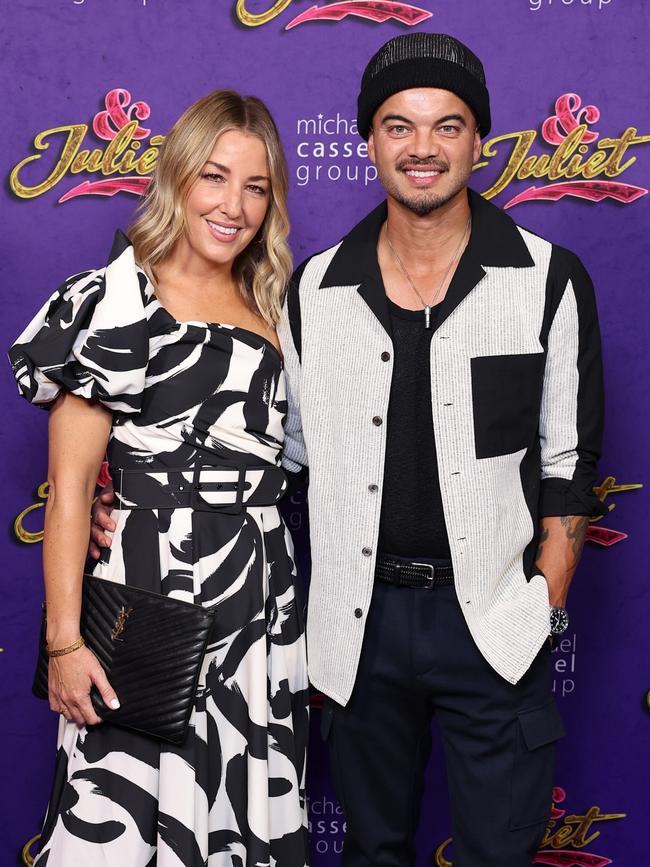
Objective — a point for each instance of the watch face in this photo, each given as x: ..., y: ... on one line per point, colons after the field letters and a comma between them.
x: 559, y: 620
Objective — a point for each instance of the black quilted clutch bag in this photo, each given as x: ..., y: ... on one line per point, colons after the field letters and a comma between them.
x: 151, y: 648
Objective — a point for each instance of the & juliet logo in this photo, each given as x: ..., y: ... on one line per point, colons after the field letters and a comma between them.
x: 581, y: 166
x: 118, y: 125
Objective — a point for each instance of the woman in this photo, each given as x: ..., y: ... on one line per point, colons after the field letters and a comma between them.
x: 168, y: 358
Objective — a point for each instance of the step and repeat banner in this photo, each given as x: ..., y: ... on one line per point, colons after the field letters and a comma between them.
x: 89, y: 90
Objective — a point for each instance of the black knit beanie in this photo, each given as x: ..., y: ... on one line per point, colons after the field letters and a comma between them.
x: 423, y: 60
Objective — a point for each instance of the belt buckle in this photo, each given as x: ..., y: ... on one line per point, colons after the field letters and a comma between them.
x: 432, y: 574
x: 202, y: 505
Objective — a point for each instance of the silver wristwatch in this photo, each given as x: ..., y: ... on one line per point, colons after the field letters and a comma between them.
x: 559, y: 618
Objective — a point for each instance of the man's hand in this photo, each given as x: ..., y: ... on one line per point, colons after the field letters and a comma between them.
x: 560, y: 547
x: 101, y: 522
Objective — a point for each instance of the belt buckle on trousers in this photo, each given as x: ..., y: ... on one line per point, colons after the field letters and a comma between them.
x: 415, y: 574
x: 432, y: 574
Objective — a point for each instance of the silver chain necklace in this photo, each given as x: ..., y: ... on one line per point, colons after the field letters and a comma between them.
x: 427, y: 307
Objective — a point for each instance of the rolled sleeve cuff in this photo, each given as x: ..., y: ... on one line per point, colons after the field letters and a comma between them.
x: 291, y: 466
x: 565, y: 497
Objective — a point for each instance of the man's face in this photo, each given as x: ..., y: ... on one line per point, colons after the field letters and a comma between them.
x: 424, y: 143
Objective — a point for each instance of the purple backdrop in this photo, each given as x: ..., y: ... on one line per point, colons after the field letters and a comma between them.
x: 61, y: 58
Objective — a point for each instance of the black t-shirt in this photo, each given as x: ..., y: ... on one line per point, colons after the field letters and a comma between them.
x: 412, y: 523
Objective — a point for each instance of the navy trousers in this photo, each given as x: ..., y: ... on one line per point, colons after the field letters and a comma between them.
x: 419, y: 659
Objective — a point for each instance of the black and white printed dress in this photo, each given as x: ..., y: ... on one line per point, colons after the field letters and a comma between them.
x: 232, y: 795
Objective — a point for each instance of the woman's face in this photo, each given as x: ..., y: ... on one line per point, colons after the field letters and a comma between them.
x: 227, y: 205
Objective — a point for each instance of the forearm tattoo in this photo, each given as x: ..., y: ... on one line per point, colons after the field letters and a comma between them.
x: 576, y: 530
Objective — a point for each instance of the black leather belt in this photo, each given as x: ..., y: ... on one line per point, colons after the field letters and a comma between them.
x: 411, y: 573
x: 204, y: 488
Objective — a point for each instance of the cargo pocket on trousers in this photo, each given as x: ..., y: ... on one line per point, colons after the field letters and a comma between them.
x: 537, y: 730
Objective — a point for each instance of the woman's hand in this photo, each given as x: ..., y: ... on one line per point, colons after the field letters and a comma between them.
x: 70, y: 678
x: 101, y: 522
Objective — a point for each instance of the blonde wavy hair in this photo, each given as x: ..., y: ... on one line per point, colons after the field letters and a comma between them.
x: 263, y: 268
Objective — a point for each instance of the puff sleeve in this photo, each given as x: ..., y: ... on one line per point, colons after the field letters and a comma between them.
x: 90, y: 338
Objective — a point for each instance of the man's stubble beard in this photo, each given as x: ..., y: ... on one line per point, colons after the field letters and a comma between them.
x: 421, y: 204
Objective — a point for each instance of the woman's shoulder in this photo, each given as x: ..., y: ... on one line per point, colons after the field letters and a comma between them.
x: 90, y: 337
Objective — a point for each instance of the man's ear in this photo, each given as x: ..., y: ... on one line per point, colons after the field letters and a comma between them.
x: 371, y: 147
x: 477, y: 145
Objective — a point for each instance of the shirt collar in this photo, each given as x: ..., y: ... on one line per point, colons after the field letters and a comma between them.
x: 495, y: 242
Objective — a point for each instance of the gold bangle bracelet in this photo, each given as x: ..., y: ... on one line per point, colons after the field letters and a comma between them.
x: 69, y: 649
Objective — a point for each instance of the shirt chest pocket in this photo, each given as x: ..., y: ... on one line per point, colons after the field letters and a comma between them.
x: 506, y: 396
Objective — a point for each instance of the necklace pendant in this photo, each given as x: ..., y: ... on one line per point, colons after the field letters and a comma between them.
x: 427, y: 317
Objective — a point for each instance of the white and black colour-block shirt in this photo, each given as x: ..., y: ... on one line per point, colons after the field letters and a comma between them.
x: 517, y: 409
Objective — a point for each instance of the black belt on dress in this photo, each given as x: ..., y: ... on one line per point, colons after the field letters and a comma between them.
x: 204, y: 488
x: 412, y: 573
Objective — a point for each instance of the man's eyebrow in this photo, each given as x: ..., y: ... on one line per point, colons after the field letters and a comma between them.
x: 458, y: 117
x: 226, y: 171
x: 447, y: 117
x: 389, y: 117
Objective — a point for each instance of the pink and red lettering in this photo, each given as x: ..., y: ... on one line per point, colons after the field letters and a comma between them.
x: 592, y: 191
x: 372, y: 10
x: 107, y: 124
x: 568, y: 117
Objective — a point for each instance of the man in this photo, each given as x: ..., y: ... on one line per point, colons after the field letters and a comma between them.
x: 445, y: 391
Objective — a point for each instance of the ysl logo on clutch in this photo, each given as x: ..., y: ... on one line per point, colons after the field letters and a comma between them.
x: 120, y: 623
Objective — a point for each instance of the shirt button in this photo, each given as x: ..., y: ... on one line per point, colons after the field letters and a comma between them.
x: 377, y: 421
x: 366, y: 552
x: 385, y: 356
x: 373, y: 488
x: 358, y: 612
